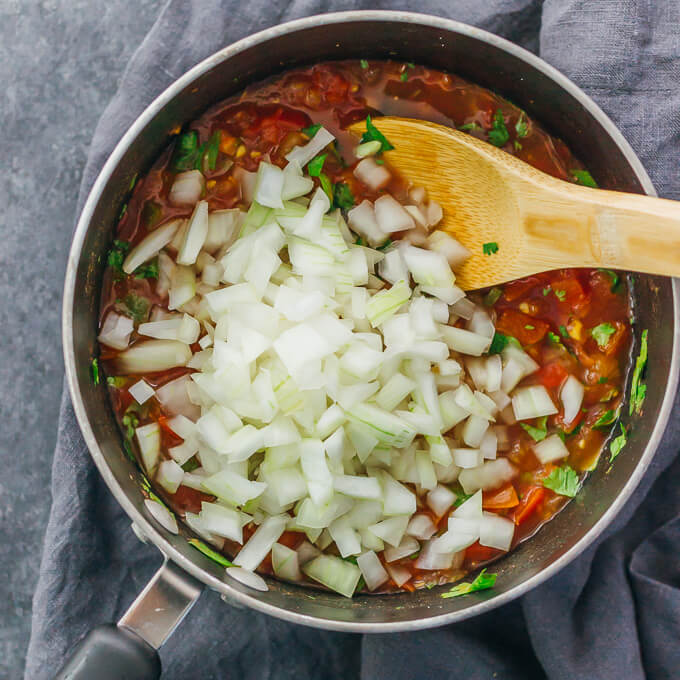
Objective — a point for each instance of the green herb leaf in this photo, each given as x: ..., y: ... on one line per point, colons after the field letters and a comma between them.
x: 461, y: 497
x: 385, y: 245
x: 116, y: 381
x: 151, y: 214
x: 148, y: 270
x: 546, y: 291
x: 210, y: 553
x: 116, y: 257
x: 501, y: 341
x: 606, y: 419
x: 326, y: 185
x: 492, y: 297
x: 186, y: 152
x: 563, y: 331
x: 638, y: 390
x: 311, y: 130
x: 191, y: 465
x: 483, y: 581
x: 363, y: 63
x: 94, y: 366
x: 602, y: 380
x: 584, y: 178
x: 130, y: 422
x: 499, y: 135
x: 470, y: 126
x: 490, y: 248
x: 522, y: 125
x: 538, y: 433
x: 372, y: 133
x: 562, y: 480
x: 560, y: 295
x: 529, y: 327
x: 212, y: 148
x: 342, y: 196
x: 136, y: 306
x: 517, y: 145
x: 554, y: 338
x: 601, y: 334
x: 616, y: 279
x: 315, y: 166
x: 618, y: 443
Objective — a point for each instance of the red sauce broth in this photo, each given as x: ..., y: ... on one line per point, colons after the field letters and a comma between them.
x: 551, y: 314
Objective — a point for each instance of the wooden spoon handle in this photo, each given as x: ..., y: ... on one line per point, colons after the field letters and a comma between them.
x: 578, y: 226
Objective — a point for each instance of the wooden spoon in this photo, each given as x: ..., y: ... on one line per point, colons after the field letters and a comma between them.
x: 539, y: 222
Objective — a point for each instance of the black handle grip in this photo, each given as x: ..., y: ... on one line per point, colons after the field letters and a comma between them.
x: 112, y: 653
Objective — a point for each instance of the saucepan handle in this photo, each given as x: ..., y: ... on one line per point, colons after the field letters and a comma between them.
x: 129, y: 650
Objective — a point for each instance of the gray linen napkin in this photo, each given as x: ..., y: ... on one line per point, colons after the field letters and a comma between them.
x: 612, y: 614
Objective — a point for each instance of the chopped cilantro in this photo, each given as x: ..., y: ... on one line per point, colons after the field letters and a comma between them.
x: 326, y: 185
x: 210, y: 553
x: 136, y: 306
x: 311, y: 130
x: 584, y: 177
x: 461, y: 497
x: 404, y: 76
x: 560, y: 295
x: 610, y: 395
x: 563, y: 331
x: 602, y: 380
x: 385, y: 245
x: 148, y: 270
x: 501, y: 341
x: 522, y: 126
x: 554, y: 338
x: 638, y: 390
x: 116, y: 257
x: 315, y: 166
x: 618, y: 443
x: 212, y: 148
x: 342, y: 196
x: 470, y: 126
x: 430, y: 585
x: 364, y: 63
x: 538, y: 433
x: 130, y: 422
x: 563, y: 481
x: 191, y: 465
x: 372, y: 133
x: 122, y: 212
x: 606, y: 419
x: 116, y: 381
x: 133, y: 181
x: 529, y: 327
x: 94, y: 366
x: 359, y: 241
x: 517, y: 145
x: 186, y: 152
x: 492, y: 297
x: 601, y: 334
x: 616, y: 279
x: 490, y: 248
x: 151, y: 213
x: 379, y: 161
x: 482, y: 582
x: 498, y: 134
x: 546, y: 291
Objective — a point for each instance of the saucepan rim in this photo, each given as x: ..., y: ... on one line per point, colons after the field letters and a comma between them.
x: 150, y: 531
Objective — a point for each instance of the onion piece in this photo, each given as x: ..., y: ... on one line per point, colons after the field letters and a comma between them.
x: 532, y: 402
x: 391, y: 216
x: 162, y: 515
x: 151, y: 356
x: 550, y: 449
x: 116, y: 330
x: 303, y: 154
x: 455, y: 252
x: 187, y: 188
x: 372, y: 570
x: 571, y: 395
x: 248, y: 578
x: 194, y: 236
x: 150, y: 245
x: 371, y: 174
x: 260, y: 543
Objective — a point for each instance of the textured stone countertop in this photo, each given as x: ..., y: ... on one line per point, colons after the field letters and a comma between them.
x: 60, y: 62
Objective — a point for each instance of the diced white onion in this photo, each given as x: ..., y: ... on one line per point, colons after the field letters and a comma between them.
x: 162, y: 515
x: 248, y: 578
x: 571, y: 396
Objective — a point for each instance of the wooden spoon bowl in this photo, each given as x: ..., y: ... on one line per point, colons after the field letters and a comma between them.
x: 538, y: 222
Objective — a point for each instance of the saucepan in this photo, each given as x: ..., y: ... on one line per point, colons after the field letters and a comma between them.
x: 128, y: 649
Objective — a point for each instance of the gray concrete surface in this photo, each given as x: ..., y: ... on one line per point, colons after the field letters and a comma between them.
x: 60, y: 62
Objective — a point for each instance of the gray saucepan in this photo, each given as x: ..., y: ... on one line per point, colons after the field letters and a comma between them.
x: 128, y: 649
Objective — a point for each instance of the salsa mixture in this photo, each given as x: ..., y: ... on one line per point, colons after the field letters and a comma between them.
x: 295, y: 370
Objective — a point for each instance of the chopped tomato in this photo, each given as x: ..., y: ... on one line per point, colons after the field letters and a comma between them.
x: 552, y: 374
x: 570, y: 294
x: 480, y: 553
x: 517, y: 289
x: 528, y: 504
x: 169, y: 437
x: 505, y: 497
x: 525, y: 328
x: 186, y: 499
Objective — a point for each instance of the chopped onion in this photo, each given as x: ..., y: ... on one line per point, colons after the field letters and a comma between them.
x: 550, y: 449
x: 162, y: 515
x: 194, y: 236
x: 490, y: 475
x: 362, y: 220
x: 421, y: 526
x: 116, y: 331
x: 372, y: 570
x: 455, y: 252
x: 260, y: 543
x: 286, y: 562
x: 407, y: 547
x: 187, y: 188
x: 334, y: 573
x: 373, y: 175
x: 151, y: 356
x: 391, y: 215
x: 303, y: 154
x: 496, y: 531
x: 532, y: 402
x: 150, y: 245
x: 141, y: 391
x: 571, y: 396
x: 248, y: 578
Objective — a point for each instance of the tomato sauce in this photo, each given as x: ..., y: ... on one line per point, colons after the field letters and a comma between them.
x: 550, y: 314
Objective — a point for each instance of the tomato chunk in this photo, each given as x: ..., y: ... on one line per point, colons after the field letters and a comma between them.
x: 552, y: 374
x: 480, y: 553
x: 525, y: 328
x: 529, y: 503
x: 505, y: 497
